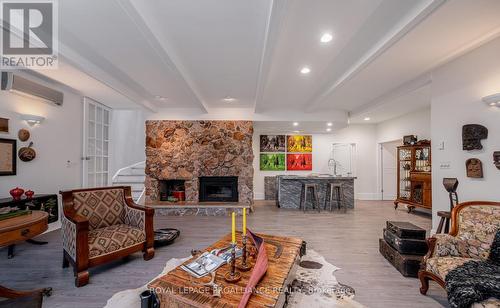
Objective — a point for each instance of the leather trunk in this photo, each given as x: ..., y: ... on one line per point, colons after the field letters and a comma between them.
x: 407, y: 265
x: 404, y: 229
x: 405, y: 245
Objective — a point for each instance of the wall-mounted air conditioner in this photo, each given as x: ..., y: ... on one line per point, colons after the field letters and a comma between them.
x: 25, y: 87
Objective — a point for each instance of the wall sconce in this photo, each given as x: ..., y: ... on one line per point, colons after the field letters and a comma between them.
x: 32, y: 119
x: 492, y: 100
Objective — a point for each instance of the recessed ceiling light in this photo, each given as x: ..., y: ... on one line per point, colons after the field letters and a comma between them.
x: 329, y: 123
x: 295, y: 123
x: 328, y: 129
x: 229, y: 99
x: 367, y: 119
x: 305, y: 70
x: 326, y: 37
x: 160, y: 98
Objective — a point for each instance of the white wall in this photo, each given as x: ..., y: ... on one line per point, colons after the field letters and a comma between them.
x: 416, y: 123
x: 56, y: 141
x: 128, y: 138
x: 363, y: 135
x: 456, y: 100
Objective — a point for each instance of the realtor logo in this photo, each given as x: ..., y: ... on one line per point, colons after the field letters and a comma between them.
x: 29, y: 34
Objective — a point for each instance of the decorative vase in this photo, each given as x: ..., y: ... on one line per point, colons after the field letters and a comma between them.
x: 29, y: 194
x: 16, y: 193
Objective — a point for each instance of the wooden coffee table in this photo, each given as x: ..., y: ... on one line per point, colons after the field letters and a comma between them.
x: 22, y: 228
x: 176, y: 289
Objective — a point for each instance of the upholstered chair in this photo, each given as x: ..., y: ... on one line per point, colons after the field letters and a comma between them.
x: 473, y: 228
x: 103, y: 224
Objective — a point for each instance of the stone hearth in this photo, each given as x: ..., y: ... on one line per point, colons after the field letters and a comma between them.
x: 187, y: 150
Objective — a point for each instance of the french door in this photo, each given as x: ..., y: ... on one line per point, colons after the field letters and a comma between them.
x: 96, y: 143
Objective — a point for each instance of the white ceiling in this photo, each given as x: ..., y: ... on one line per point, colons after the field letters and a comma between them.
x: 195, y: 53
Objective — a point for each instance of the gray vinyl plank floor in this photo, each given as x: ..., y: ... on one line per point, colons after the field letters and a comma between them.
x: 347, y: 240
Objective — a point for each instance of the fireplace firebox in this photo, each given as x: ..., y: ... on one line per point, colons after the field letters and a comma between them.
x: 172, y: 190
x: 218, y: 188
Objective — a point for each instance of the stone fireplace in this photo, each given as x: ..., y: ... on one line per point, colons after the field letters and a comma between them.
x: 217, y: 154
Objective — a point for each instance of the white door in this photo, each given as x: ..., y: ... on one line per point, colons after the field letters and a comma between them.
x: 343, y: 155
x: 96, y: 140
x: 389, y: 169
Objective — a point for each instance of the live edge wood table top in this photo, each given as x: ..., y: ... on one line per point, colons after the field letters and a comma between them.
x: 176, y: 289
x: 22, y: 228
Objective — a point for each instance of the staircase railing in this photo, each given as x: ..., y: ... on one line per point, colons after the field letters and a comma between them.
x: 125, y: 168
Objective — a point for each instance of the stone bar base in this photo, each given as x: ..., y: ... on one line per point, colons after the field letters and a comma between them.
x: 290, y: 188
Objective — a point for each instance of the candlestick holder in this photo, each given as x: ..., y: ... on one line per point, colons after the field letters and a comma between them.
x: 244, y: 265
x: 232, y: 275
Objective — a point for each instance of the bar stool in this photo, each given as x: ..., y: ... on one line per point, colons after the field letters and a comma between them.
x: 335, y: 193
x: 314, y: 193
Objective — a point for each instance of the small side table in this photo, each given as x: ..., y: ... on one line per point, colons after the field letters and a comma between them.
x: 22, y: 228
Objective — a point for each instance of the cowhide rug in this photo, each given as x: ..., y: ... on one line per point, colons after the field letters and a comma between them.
x: 314, y: 285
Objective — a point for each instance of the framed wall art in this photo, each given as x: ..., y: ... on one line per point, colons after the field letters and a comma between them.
x: 272, y: 143
x: 4, y: 125
x: 272, y: 162
x: 299, y: 143
x: 8, y: 149
x: 299, y: 162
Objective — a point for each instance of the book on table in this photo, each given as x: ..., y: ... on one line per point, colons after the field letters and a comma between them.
x: 209, y: 262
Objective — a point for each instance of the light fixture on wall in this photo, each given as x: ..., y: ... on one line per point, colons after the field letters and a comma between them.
x: 160, y: 98
x: 229, y: 99
x: 32, y: 119
x: 305, y: 70
x: 326, y: 37
x: 492, y: 100
x: 367, y: 119
x: 295, y: 123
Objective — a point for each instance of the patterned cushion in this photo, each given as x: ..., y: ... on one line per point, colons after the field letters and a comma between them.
x: 103, y: 208
x: 440, y: 266
x: 110, y: 239
x: 449, y: 246
x: 135, y: 218
x: 477, y: 228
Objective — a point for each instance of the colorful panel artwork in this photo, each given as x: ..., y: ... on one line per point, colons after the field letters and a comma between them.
x: 299, y: 143
x: 301, y: 162
x: 272, y: 143
x: 272, y: 162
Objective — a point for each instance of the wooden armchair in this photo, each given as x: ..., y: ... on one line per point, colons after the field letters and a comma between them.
x: 473, y: 228
x: 103, y: 224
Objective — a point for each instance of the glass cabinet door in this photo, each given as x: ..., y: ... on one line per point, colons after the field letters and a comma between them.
x: 405, y: 166
x: 422, y: 159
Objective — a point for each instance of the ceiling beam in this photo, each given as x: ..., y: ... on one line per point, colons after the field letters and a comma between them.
x: 402, y: 90
x: 275, y: 20
x: 87, y: 67
x: 149, y: 30
x: 71, y: 57
x: 398, y: 32
x: 425, y: 78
